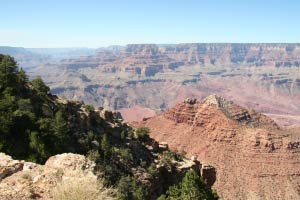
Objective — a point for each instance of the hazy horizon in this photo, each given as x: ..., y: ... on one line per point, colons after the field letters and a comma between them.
x: 123, y: 45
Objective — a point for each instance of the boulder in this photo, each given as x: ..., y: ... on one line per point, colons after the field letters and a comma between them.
x: 70, y: 161
x: 163, y: 146
x: 8, y: 166
x: 107, y: 115
x: 191, y: 101
x: 24, y: 180
x: 208, y: 173
x: 117, y: 115
x: 188, y: 164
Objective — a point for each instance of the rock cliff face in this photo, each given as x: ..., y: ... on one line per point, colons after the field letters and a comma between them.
x: 253, y: 156
x: 261, y: 76
x: 188, y: 113
x: 164, y: 58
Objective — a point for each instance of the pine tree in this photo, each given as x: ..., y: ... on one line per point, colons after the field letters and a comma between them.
x: 105, y: 146
x: 8, y: 72
x: 39, y: 85
x: 61, y: 132
x: 192, y: 187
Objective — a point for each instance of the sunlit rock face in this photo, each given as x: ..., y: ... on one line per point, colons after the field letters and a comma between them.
x: 252, y: 157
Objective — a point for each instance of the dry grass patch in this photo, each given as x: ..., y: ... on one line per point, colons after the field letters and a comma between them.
x: 82, y: 188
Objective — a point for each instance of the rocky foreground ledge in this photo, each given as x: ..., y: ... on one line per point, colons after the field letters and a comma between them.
x: 71, y: 175
x: 62, y: 174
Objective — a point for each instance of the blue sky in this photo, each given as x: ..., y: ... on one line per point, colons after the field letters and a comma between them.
x: 96, y: 23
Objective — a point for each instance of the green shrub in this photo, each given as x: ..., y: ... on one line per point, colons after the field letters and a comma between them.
x: 142, y: 133
x: 192, y: 187
x: 106, y: 146
x: 152, y: 169
x: 138, y: 192
x: 129, y: 189
x: 162, y: 197
x: 167, y: 158
x: 94, y: 155
x: 89, y: 108
x: 124, y: 188
x: 126, y: 156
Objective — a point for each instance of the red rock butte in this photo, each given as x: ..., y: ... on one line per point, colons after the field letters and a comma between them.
x: 253, y: 156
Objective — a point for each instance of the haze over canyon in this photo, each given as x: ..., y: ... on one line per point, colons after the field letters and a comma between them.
x: 142, y: 80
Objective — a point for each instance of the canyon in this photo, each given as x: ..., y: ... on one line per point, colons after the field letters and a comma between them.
x: 149, y: 78
x: 251, y: 146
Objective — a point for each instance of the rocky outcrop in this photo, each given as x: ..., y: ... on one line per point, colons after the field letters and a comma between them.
x: 64, y: 173
x: 208, y: 173
x: 171, y: 172
x: 109, y: 115
x: 251, y: 155
x: 8, y: 166
x: 32, y: 181
x: 190, y: 101
x: 187, y: 112
x: 240, y: 114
